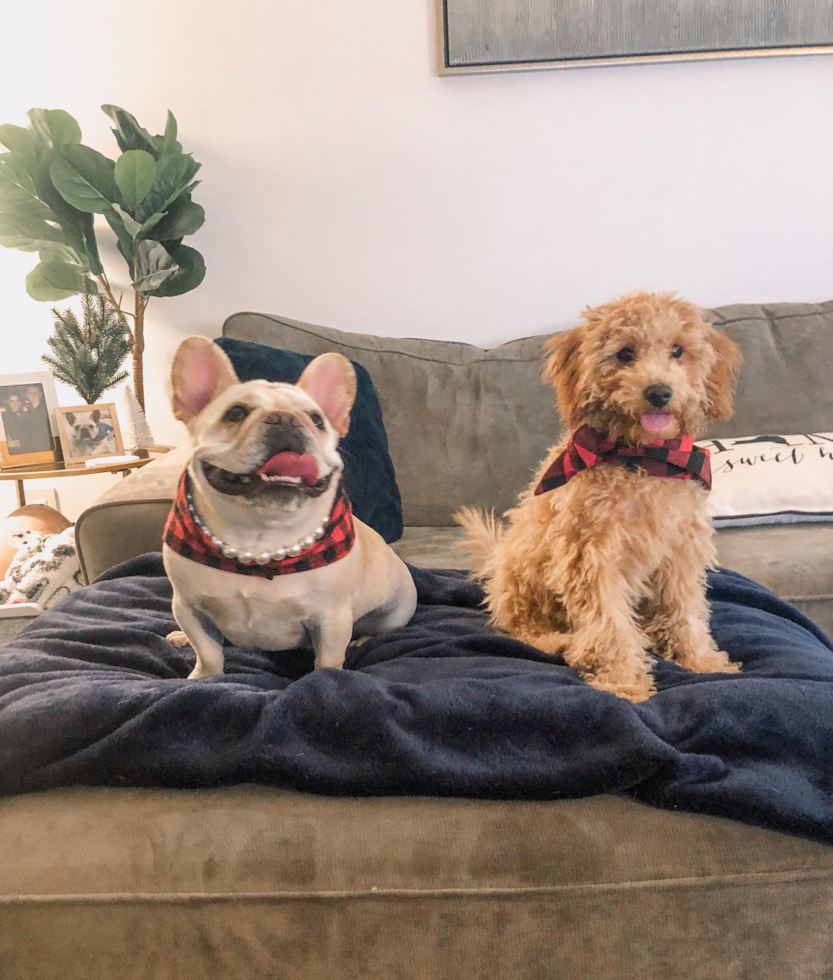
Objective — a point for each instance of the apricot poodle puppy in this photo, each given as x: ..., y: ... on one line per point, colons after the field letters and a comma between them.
x: 604, y: 559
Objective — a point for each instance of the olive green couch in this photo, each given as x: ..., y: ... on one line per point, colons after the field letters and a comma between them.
x: 254, y: 882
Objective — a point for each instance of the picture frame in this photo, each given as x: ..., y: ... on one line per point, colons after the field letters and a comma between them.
x: 28, y: 420
x: 487, y: 36
x: 89, y: 431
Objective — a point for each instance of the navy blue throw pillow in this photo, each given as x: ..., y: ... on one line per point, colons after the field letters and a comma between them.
x: 369, y: 477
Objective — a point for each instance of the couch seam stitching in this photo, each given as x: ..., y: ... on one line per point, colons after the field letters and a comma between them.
x: 416, y: 357
x: 788, y: 876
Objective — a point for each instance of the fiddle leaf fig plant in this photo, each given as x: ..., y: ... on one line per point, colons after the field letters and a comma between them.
x: 52, y: 186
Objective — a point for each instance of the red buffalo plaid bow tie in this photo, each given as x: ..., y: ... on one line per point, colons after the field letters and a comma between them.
x: 673, y: 459
x: 188, y: 538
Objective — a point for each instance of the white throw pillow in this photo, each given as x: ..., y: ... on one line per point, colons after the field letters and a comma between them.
x: 45, y: 569
x: 771, y: 479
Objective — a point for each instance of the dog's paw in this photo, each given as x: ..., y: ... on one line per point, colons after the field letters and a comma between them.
x: 198, y: 673
x: 639, y: 690
x: 711, y: 662
x: 178, y: 639
x: 555, y: 644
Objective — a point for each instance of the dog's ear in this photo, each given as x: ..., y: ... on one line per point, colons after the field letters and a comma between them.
x: 70, y: 418
x: 96, y: 416
x: 330, y: 380
x: 200, y: 373
x: 561, y: 370
x: 720, y: 384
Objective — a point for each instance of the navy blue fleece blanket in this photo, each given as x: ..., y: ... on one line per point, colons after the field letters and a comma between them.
x: 91, y: 693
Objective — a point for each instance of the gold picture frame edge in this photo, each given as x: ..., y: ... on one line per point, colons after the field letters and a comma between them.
x: 24, y: 460
x: 62, y: 410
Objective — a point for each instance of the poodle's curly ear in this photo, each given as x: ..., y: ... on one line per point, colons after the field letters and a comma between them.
x: 561, y: 370
x: 720, y: 384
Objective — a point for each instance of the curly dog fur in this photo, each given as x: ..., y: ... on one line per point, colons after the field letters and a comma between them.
x: 613, y: 564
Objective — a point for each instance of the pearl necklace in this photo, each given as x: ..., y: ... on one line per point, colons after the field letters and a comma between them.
x: 248, y: 557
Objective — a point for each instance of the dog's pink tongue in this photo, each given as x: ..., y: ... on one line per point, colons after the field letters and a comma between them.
x: 303, y: 468
x: 656, y: 422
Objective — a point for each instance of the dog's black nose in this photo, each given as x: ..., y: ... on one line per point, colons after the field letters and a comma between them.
x: 658, y: 395
x: 281, y: 419
x: 285, y: 433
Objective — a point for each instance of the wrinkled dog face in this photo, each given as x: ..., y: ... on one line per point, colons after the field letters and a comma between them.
x: 85, y: 425
x: 645, y: 367
x: 250, y: 425
x: 265, y: 442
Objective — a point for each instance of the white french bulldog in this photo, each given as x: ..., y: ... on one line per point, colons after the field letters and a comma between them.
x: 90, y: 436
x: 263, y: 487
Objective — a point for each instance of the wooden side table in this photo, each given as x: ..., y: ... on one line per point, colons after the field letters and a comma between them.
x: 50, y: 471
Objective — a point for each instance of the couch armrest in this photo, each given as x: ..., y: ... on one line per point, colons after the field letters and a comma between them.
x: 129, y: 519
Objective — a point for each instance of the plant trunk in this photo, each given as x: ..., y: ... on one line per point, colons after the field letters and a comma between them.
x: 139, y: 347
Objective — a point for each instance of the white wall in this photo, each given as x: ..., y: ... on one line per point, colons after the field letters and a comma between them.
x: 346, y: 183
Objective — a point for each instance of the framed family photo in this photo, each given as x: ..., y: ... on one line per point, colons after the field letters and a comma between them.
x: 28, y: 422
x: 89, y: 431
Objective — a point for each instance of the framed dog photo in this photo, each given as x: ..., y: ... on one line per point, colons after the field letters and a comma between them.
x: 28, y: 420
x: 88, y: 431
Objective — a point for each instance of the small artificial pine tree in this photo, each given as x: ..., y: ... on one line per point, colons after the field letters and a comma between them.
x: 88, y: 355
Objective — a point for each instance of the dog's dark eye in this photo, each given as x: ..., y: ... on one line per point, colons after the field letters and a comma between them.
x: 626, y: 355
x: 236, y: 413
x: 676, y: 351
x: 317, y: 420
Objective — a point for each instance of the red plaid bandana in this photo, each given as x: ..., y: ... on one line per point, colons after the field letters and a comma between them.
x: 183, y: 536
x: 674, y: 459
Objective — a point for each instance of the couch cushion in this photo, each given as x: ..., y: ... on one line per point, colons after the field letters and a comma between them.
x: 432, y: 547
x: 469, y: 426
x: 465, y: 425
x: 794, y: 562
x: 128, y: 520
x: 252, y: 882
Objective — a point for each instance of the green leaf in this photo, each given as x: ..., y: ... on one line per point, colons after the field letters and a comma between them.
x: 84, y: 178
x: 173, y: 175
x: 125, y: 240
x: 184, y: 218
x: 31, y: 209
x: 153, y: 266
x: 24, y: 142
x: 150, y: 224
x: 62, y: 253
x: 91, y: 245
x: 69, y: 218
x: 77, y: 226
x: 190, y: 274
x: 131, y: 226
x: 134, y: 173
x: 28, y: 234
x: 55, y: 126
x: 51, y: 281
x: 18, y: 193
x: 169, y: 142
x: 129, y: 134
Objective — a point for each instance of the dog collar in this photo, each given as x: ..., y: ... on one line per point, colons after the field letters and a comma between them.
x: 187, y: 535
x: 672, y: 459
